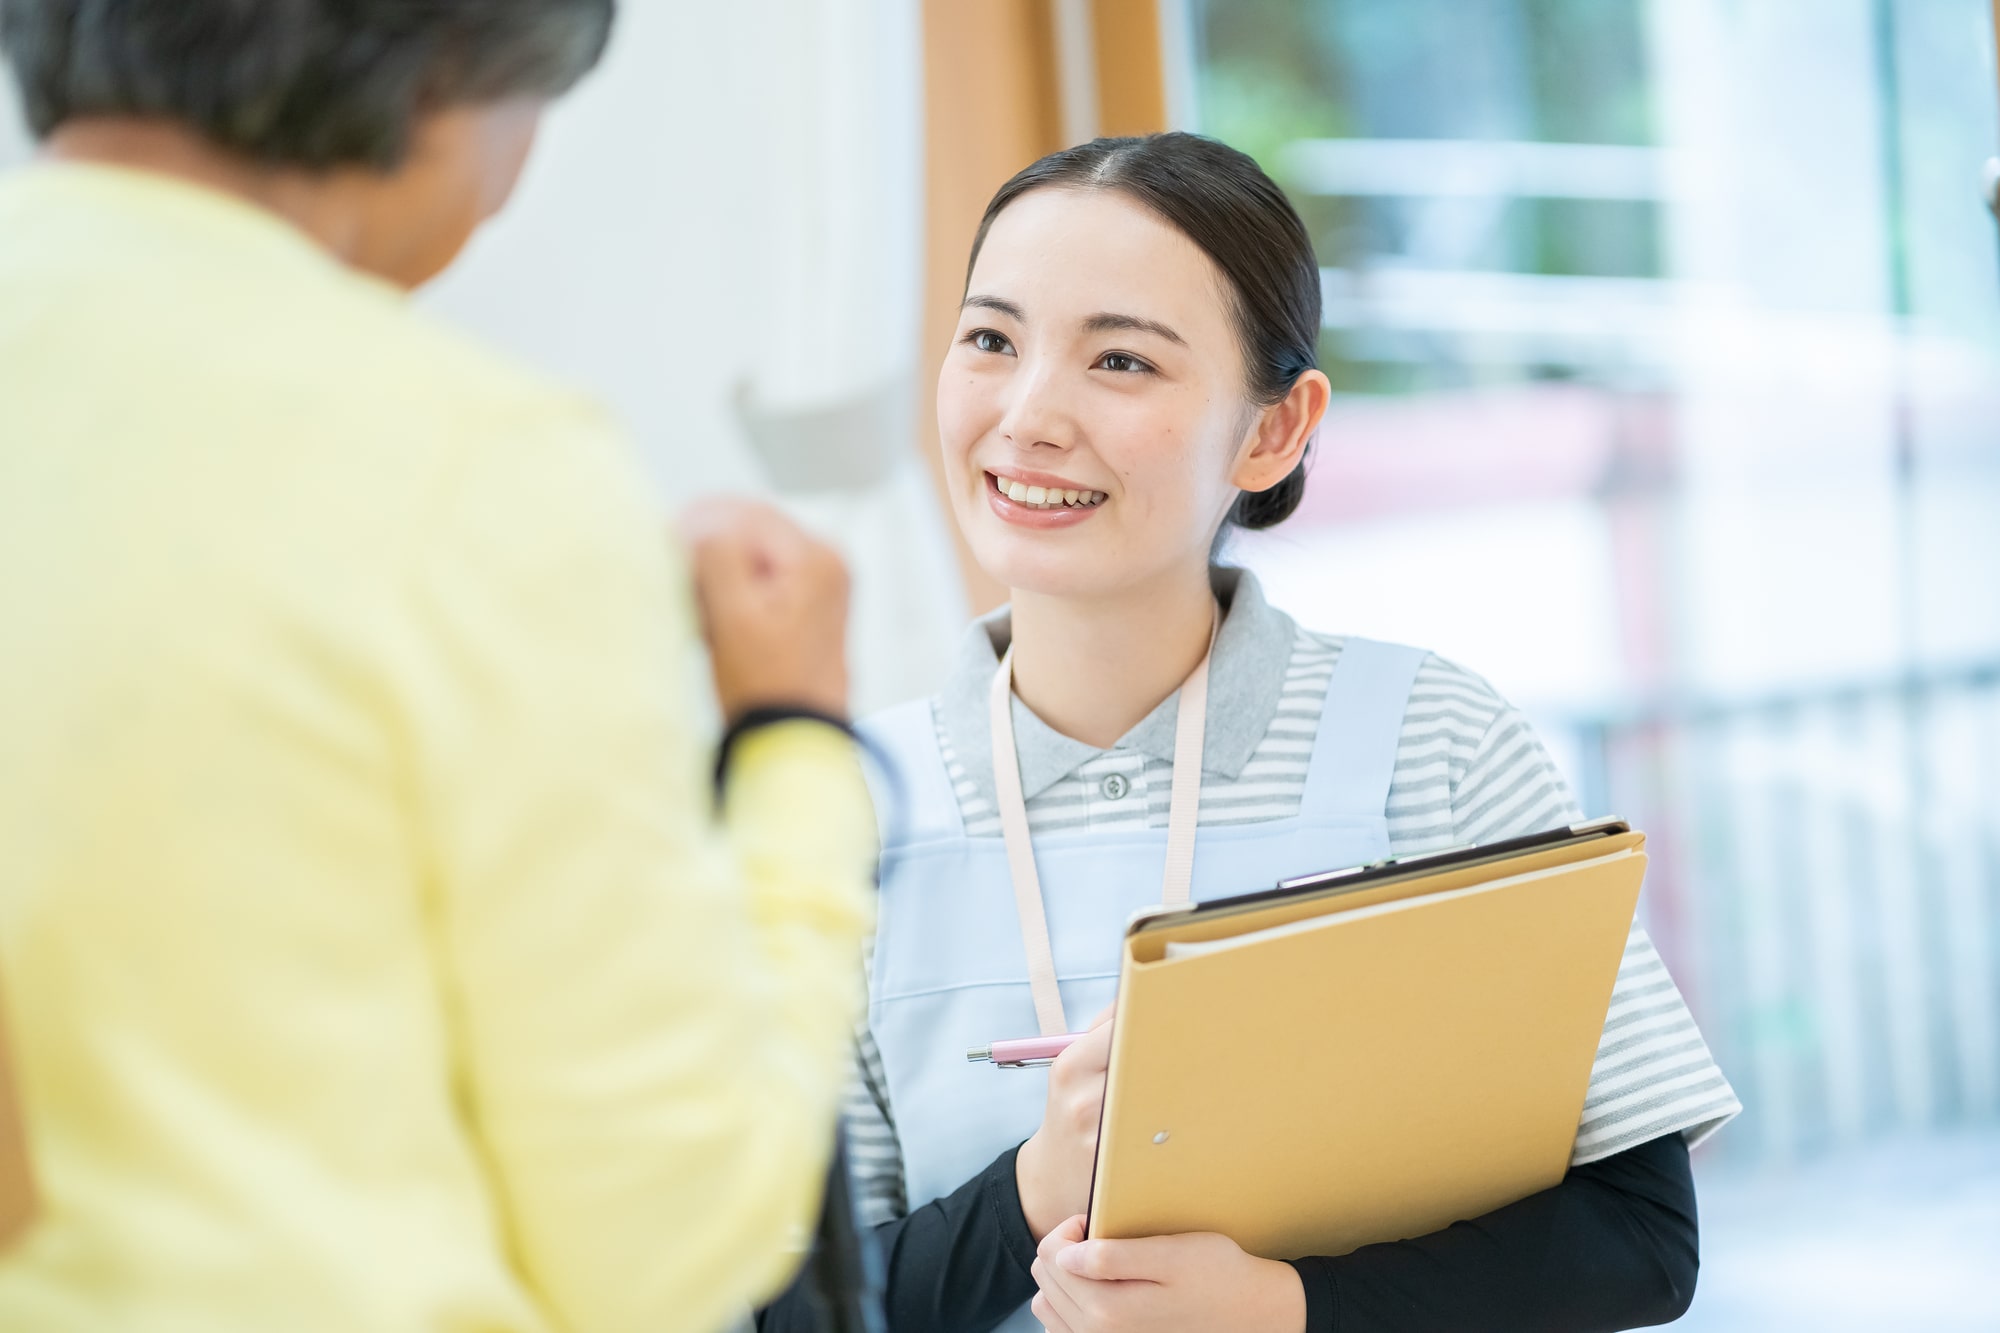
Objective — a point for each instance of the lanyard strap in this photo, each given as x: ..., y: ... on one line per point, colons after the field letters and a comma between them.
x: 1190, y: 728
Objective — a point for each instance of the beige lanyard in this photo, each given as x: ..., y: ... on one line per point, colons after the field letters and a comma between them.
x: 1190, y: 725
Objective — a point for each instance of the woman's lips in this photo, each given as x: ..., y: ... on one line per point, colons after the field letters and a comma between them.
x: 1058, y: 512
x: 1039, y: 491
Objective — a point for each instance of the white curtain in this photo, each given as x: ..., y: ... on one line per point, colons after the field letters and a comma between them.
x: 721, y: 236
x: 831, y: 409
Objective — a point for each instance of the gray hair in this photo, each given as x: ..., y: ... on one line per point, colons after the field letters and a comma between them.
x: 302, y: 83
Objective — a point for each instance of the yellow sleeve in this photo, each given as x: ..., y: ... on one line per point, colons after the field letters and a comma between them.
x: 653, y: 1008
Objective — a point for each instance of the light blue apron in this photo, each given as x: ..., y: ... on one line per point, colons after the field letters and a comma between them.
x: 950, y: 971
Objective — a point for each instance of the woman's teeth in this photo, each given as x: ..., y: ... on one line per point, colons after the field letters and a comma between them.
x: 1044, y: 497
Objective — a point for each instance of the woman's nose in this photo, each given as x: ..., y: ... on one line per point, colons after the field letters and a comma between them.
x: 1039, y: 410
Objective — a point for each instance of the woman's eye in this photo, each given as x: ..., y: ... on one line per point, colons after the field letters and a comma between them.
x: 1121, y: 363
x: 986, y: 340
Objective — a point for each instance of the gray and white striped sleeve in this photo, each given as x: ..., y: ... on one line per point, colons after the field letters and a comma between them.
x: 1653, y: 1073
x: 874, y: 1153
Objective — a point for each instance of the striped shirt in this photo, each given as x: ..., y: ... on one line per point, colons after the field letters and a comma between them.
x: 1468, y: 769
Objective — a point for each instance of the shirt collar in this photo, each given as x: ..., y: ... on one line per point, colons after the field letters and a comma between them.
x: 190, y: 212
x: 1246, y: 675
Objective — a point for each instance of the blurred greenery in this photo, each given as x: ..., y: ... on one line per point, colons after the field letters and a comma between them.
x: 1264, y: 83
x: 1565, y: 71
x: 1588, y: 65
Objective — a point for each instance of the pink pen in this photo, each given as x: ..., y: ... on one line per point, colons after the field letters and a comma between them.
x: 1023, y: 1052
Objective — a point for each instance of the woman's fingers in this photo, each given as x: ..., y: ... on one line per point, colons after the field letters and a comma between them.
x: 1089, y: 1054
x: 1071, y: 1231
x: 773, y: 605
x: 1149, y: 1260
x: 1044, y: 1310
x: 1049, y: 1277
x: 1060, y: 1302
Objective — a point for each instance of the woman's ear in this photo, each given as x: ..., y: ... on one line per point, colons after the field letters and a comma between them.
x: 1281, y: 432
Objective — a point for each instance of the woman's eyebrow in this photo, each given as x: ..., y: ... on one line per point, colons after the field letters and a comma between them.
x: 997, y: 304
x: 1110, y: 323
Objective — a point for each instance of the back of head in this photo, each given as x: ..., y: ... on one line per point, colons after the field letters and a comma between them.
x: 311, y: 84
x: 1221, y: 200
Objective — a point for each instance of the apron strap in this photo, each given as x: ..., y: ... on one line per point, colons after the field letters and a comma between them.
x: 1360, y: 729
x: 907, y: 736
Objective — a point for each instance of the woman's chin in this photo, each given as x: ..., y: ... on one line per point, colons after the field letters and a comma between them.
x: 1045, y: 572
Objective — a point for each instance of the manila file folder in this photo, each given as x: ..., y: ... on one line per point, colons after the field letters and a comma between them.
x: 1322, y: 1072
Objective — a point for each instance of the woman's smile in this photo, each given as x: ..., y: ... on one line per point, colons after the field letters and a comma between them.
x: 1038, y: 500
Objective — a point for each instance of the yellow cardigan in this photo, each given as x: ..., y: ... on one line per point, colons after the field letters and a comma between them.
x: 373, y: 960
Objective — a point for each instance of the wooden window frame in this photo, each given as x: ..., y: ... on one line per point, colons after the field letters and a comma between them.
x: 1007, y: 82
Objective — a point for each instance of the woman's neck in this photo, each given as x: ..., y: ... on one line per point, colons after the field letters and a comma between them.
x: 1093, y: 670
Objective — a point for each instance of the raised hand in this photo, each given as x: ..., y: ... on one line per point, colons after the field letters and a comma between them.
x: 773, y: 604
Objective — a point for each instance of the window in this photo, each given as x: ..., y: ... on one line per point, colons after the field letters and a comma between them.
x: 1666, y: 341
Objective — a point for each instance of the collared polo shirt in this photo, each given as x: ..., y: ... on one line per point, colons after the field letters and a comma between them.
x: 1469, y: 769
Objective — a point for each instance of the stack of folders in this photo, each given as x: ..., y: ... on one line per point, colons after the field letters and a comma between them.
x: 1365, y: 1055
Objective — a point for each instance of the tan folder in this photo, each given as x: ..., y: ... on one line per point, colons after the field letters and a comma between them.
x: 1331, y: 1067
x: 17, y: 1189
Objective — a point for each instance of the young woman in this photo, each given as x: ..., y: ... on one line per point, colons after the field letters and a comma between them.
x: 1133, y: 371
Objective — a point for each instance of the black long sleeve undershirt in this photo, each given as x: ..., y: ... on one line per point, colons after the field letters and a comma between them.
x: 957, y: 1263
x: 1614, y: 1246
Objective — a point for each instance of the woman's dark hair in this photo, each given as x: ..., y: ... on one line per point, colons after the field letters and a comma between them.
x: 1222, y: 201
x: 301, y: 83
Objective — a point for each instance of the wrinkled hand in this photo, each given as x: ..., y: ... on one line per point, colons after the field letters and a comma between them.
x: 1196, y: 1283
x: 1052, y: 1170
x: 773, y: 605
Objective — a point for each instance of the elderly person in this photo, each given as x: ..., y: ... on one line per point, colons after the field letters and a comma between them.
x: 375, y: 955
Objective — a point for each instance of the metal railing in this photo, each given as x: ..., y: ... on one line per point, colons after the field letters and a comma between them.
x: 1826, y: 885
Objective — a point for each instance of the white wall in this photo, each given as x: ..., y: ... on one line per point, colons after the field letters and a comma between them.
x: 731, y: 209
x: 628, y: 262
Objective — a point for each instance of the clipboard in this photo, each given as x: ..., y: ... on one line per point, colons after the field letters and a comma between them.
x: 1363, y: 1055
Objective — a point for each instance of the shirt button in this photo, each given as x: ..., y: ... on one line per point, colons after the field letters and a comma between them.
x: 1114, y: 787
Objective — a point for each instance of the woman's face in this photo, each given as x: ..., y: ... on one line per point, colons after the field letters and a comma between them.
x: 1092, y: 408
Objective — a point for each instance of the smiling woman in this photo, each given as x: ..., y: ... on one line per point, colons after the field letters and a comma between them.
x: 1132, y: 369
x: 1138, y: 325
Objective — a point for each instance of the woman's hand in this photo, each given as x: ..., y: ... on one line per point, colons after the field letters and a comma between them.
x: 1052, y: 1170
x: 1167, y: 1284
x: 773, y: 605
